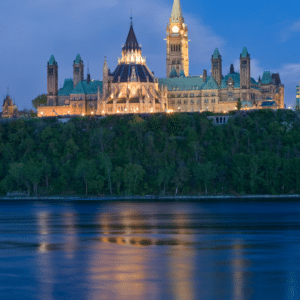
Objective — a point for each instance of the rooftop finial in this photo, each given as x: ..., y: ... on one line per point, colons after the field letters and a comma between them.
x: 8, y: 90
x: 131, y: 17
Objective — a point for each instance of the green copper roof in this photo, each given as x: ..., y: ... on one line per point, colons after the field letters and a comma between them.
x: 210, y: 84
x: 236, y: 80
x: 216, y: 53
x: 78, y: 59
x: 82, y: 88
x: 52, y: 61
x: 254, y: 82
x: 182, y: 84
x: 173, y: 73
x: 181, y: 74
x: 88, y: 88
x: 67, y: 88
x: 266, y: 78
x: 244, y: 52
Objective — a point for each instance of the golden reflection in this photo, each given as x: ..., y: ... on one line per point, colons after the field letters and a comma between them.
x: 122, y: 263
x: 238, y: 266
x: 70, y: 235
x: 182, y: 261
x: 43, y: 231
x: 45, y: 272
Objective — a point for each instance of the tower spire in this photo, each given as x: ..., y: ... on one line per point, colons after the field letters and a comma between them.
x: 177, y: 12
x: 131, y: 41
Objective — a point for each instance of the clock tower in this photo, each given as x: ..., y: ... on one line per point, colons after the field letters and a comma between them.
x: 177, y: 42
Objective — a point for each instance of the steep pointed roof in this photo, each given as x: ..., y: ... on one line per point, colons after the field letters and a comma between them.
x: 78, y: 59
x: 173, y: 73
x: 216, y: 53
x: 52, y: 61
x: 105, y: 66
x: 181, y: 74
x: 266, y: 78
x: 176, y: 12
x: 210, y: 84
x: 131, y: 42
x: 244, y: 52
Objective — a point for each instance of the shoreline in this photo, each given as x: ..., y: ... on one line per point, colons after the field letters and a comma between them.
x: 147, y: 198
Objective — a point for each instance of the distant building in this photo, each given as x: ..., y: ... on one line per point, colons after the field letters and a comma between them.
x: 132, y: 87
x: 9, y: 109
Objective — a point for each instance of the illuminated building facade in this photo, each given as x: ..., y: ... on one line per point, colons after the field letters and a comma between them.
x: 9, y: 109
x: 132, y: 87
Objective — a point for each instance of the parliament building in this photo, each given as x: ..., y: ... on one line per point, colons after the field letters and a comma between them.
x: 133, y: 88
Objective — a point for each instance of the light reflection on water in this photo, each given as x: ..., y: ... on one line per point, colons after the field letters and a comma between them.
x: 150, y: 251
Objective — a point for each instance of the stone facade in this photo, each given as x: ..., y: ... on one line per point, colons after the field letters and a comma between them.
x: 132, y: 87
x: 9, y: 109
x: 177, y: 43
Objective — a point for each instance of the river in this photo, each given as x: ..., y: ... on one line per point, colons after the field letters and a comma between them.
x: 130, y: 250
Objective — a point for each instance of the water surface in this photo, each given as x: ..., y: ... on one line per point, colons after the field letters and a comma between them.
x: 149, y: 250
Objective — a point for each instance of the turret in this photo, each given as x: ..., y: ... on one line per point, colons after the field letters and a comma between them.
x: 52, y: 81
x: 216, y: 66
x: 78, y: 70
x: 204, y: 75
x: 88, y: 76
x: 232, y: 69
x: 105, y: 78
x: 245, y: 69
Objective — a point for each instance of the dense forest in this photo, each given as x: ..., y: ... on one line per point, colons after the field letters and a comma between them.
x: 256, y: 152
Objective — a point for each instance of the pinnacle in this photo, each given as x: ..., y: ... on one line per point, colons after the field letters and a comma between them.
x: 131, y: 42
x: 176, y: 12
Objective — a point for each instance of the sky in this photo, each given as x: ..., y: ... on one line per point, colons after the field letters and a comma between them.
x: 32, y: 30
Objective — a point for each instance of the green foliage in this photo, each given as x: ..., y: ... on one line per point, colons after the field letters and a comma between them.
x: 39, y: 100
x: 239, y: 104
x: 254, y: 153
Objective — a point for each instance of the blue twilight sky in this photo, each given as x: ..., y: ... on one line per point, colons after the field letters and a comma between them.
x: 32, y: 30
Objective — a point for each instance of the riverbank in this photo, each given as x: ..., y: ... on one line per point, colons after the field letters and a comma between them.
x: 154, y: 198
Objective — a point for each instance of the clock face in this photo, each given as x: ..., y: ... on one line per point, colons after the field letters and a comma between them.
x: 175, y: 29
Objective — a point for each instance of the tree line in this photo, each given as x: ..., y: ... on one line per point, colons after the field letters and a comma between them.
x: 256, y: 152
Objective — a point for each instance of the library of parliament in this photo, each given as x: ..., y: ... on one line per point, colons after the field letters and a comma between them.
x: 133, y: 88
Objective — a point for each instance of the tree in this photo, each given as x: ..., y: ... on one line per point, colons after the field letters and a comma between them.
x: 117, y: 177
x: 132, y: 176
x: 85, y: 170
x: 239, y: 104
x: 39, y: 101
x: 106, y: 164
x: 205, y: 173
x: 181, y: 176
x: 164, y: 175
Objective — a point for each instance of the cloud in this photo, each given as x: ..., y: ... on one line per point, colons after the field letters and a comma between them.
x: 288, y: 32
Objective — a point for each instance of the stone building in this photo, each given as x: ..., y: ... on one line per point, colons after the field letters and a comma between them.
x: 9, y: 109
x: 132, y: 87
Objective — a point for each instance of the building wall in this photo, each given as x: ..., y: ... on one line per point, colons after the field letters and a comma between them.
x: 180, y: 57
